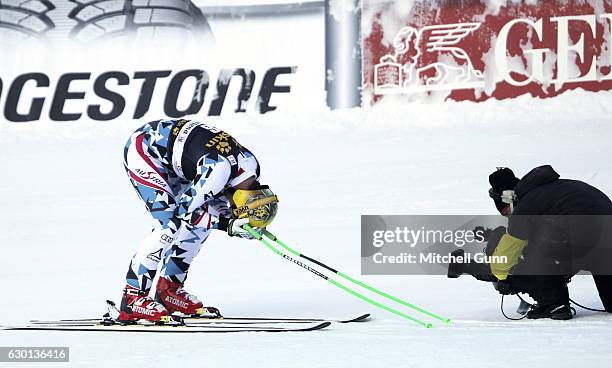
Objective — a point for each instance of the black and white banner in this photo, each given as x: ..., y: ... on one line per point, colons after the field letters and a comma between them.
x: 104, y: 60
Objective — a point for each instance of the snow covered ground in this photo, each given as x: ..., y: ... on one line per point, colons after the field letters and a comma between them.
x: 70, y: 222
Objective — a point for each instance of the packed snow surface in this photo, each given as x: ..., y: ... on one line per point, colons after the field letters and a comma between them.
x: 70, y: 222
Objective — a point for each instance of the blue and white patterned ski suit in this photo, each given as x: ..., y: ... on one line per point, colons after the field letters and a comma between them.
x: 180, y: 169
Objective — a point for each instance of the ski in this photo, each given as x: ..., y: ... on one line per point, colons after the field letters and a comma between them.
x: 255, y: 320
x: 213, y: 320
x: 223, y: 320
x: 152, y: 328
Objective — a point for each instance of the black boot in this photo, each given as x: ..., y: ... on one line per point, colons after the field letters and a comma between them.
x: 553, y: 311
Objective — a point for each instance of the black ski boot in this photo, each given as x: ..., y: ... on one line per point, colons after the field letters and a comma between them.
x: 553, y: 311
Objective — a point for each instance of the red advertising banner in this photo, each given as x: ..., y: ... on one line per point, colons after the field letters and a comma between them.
x: 478, y: 49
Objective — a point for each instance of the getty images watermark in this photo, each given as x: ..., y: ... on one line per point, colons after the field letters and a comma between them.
x: 422, y: 245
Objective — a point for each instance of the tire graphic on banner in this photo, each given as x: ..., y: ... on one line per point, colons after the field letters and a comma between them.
x: 24, y: 19
x: 87, y: 21
x: 98, y: 19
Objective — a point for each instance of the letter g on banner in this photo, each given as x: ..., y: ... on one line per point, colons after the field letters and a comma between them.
x: 537, y: 55
x: 15, y: 93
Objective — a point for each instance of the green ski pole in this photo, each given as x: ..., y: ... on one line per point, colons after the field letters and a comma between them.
x: 347, y: 277
x: 332, y: 281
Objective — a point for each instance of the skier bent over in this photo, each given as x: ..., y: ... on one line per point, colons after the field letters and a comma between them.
x: 193, y: 178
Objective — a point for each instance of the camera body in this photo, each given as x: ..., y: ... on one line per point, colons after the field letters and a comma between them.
x: 481, y: 271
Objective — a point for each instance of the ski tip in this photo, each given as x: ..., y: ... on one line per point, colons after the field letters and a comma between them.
x: 10, y: 328
x: 318, y: 327
x: 110, y: 302
x: 361, y: 318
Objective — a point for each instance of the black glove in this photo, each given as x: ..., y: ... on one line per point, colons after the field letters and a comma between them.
x: 504, y: 287
x: 484, y: 231
x: 488, y: 233
x: 494, y: 238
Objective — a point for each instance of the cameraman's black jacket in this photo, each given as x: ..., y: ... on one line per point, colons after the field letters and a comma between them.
x: 541, y: 192
x: 558, y: 221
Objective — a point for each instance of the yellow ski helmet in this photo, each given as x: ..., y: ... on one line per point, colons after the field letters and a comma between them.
x: 258, y: 205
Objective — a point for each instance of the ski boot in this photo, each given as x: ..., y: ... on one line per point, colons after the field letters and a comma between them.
x: 136, y: 304
x: 176, y: 300
x: 553, y: 311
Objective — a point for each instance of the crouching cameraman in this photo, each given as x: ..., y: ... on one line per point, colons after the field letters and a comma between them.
x: 556, y: 228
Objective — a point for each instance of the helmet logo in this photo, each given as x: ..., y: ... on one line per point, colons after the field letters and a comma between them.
x: 261, y: 213
x: 241, y: 211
